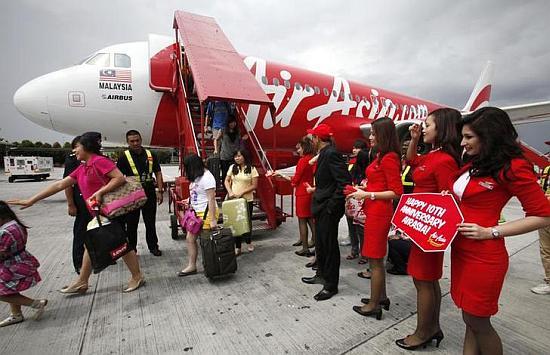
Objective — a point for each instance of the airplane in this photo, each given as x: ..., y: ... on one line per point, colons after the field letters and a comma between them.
x: 113, y: 90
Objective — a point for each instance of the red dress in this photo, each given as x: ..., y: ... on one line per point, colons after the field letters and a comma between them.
x: 381, y: 176
x: 431, y: 173
x: 478, y: 267
x: 303, y: 176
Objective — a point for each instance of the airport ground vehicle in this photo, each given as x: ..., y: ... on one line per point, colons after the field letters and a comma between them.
x: 36, y: 168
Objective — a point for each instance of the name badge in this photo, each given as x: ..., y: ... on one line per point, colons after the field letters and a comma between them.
x: 489, y: 185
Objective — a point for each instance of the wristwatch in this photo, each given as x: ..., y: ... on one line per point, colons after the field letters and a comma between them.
x: 495, y: 233
x: 372, y: 197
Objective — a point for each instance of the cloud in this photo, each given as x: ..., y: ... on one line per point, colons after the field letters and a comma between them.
x: 433, y: 49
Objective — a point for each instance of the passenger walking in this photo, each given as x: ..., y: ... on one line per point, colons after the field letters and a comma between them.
x: 18, y: 268
x: 495, y: 171
x: 384, y: 185
x: 231, y: 141
x: 90, y: 177
x: 202, y: 198
x: 76, y: 208
x: 141, y: 163
x: 217, y: 112
x: 331, y: 177
x: 544, y: 240
x: 303, y: 177
x: 241, y: 182
x: 431, y: 173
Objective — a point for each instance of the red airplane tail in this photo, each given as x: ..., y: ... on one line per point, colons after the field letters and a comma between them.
x: 482, y: 91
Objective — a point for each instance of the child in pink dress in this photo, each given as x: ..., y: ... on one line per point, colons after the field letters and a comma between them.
x: 18, y: 268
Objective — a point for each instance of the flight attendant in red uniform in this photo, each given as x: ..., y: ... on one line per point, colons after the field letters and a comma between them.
x: 431, y: 173
x: 495, y: 172
x: 383, y: 185
x: 303, y: 177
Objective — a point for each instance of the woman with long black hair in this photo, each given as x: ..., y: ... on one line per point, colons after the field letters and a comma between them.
x: 431, y: 173
x: 495, y: 171
x: 384, y: 185
x: 202, y: 197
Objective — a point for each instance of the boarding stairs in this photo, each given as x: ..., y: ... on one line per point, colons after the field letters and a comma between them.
x: 196, y: 85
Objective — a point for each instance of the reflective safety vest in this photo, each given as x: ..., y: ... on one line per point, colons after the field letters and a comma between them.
x: 545, y: 180
x: 404, y: 177
x: 147, y: 177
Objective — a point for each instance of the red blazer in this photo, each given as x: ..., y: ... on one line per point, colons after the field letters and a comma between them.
x: 304, y: 174
x: 432, y: 171
x: 383, y: 176
x: 484, y: 198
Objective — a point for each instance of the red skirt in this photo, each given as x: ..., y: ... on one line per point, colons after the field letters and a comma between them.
x: 303, y: 206
x: 425, y: 266
x: 478, y: 269
x: 375, y: 242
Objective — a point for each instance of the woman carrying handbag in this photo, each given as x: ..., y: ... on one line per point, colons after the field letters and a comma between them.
x: 202, y: 198
x: 90, y: 177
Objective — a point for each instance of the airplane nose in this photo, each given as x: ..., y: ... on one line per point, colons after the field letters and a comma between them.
x: 31, y: 101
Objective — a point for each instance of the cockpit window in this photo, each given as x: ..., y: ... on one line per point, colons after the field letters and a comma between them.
x: 122, y: 60
x: 100, y: 59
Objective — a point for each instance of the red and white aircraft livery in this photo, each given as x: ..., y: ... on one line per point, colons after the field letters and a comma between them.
x: 114, y: 90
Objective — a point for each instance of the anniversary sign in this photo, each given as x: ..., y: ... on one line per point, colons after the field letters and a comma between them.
x: 429, y: 219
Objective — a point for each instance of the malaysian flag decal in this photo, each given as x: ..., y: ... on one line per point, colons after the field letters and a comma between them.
x: 118, y: 75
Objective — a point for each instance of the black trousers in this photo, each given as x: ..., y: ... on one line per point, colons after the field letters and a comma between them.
x: 79, y: 229
x: 398, y: 254
x: 247, y: 236
x: 149, y: 213
x: 327, y: 250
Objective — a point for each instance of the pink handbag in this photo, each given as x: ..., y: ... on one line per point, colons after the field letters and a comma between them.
x: 191, y: 222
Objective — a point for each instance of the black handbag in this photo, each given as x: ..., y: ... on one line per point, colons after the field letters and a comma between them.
x: 105, y: 244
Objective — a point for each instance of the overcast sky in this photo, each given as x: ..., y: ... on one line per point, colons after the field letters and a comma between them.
x: 431, y: 49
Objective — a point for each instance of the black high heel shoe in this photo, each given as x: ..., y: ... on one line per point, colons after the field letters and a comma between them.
x: 384, y: 303
x: 438, y: 337
x: 377, y: 312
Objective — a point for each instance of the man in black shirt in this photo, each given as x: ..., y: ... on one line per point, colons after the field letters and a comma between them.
x: 327, y: 206
x: 140, y: 162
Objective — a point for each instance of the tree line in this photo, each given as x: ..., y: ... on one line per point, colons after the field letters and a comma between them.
x: 59, y: 152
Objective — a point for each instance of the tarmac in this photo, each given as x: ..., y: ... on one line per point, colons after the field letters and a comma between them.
x: 263, y: 309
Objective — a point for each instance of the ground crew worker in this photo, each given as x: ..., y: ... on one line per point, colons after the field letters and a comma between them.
x: 544, y: 240
x: 140, y: 162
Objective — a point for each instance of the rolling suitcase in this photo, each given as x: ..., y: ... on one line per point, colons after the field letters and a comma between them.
x: 218, y: 252
x: 235, y: 216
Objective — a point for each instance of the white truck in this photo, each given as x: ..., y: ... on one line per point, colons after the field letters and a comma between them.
x: 36, y: 168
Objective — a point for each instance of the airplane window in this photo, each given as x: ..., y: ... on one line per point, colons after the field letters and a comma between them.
x: 334, y: 93
x: 350, y: 96
x: 287, y: 84
x: 308, y: 88
x: 275, y: 81
x: 122, y: 60
x: 264, y: 80
x: 317, y: 90
x: 357, y: 98
x: 325, y: 91
x: 342, y: 95
x: 100, y: 59
x: 84, y: 60
x: 297, y: 86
